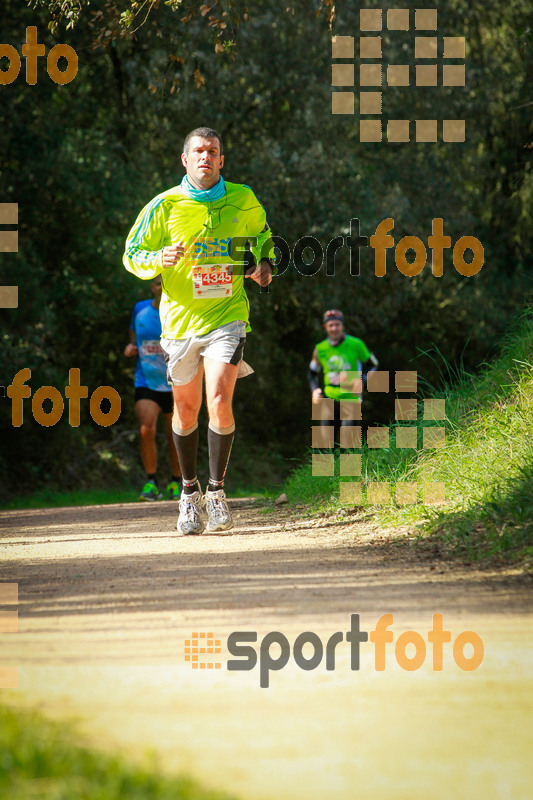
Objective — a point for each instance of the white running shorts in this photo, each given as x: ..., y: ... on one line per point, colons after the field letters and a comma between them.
x: 184, y: 356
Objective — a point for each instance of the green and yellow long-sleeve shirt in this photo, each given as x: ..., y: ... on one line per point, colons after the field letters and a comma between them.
x: 205, y: 289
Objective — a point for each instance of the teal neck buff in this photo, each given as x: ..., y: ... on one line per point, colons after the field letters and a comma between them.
x: 203, y: 195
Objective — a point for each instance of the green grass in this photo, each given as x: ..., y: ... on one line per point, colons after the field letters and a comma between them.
x: 40, y: 759
x: 254, y: 472
x: 486, y: 465
x: 51, y: 498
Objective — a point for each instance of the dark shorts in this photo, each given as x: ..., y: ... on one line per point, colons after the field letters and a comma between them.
x: 343, y: 418
x: 346, y: 418
x: 163, y: 399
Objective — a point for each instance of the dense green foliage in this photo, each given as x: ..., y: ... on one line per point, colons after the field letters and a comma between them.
x: 40, y: 759
x: 82, y: 159
x: 486, y: 465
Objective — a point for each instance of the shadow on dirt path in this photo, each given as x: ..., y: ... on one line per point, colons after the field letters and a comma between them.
x: 109, y: 594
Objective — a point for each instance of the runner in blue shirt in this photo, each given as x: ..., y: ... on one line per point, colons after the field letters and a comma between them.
x: 152, y: 393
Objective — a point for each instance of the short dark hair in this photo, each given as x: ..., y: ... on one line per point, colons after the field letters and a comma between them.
x: 205, y: 133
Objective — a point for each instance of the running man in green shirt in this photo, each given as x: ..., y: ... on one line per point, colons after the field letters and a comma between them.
x: 188, y: 235
x: 338, y: 357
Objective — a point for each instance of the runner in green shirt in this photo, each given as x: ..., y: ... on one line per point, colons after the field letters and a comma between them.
x: 189, y: 235
x: 338, y: 357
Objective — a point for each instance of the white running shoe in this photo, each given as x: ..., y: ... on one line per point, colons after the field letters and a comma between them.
x: 218, y: 513
x: 189, y: 520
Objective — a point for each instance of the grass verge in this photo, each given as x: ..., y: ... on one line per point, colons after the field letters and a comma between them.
x: 40, y: 760
x: 50, y: 498
x: 255, y: 472
x: 485, y: 468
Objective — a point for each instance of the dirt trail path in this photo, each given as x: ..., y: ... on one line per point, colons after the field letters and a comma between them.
x: 109, y: 594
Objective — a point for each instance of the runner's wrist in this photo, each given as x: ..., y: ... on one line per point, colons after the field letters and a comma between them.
x: 271, y: 264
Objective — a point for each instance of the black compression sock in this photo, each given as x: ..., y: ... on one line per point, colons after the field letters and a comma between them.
x: 219, y: 441
x: 186, y: 443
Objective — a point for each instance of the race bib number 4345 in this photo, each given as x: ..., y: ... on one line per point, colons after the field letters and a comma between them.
x: 212, y: 281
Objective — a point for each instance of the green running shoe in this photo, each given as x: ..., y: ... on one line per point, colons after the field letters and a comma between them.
x: 174, y: 490
x: 149, y: 492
